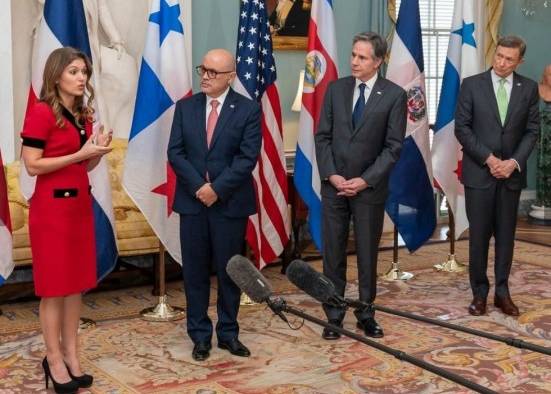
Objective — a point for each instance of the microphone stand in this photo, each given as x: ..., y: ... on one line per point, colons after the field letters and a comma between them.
x: 281, y: 306
x: 515, y: 342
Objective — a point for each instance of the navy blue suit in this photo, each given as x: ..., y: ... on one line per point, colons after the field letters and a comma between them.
x: 213, y: 234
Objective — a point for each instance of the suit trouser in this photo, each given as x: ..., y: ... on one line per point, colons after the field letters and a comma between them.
x: 491, y: 211
x: 206, y: 238
x: 368, y: 226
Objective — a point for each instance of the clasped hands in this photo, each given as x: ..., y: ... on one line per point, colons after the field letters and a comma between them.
x: 206, y: 195
x: 500, y: 169
x: 347, y: 187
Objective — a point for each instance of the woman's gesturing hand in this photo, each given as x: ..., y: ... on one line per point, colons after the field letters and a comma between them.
x: 95, y: 147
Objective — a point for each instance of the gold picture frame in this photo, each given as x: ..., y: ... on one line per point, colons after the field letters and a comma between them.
x: 289, y: 21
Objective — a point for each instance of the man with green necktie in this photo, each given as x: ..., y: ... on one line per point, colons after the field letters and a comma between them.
x: 497, y: 123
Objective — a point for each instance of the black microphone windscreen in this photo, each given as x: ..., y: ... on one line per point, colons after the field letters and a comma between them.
x: 245, y: 275
x: 312, y: 282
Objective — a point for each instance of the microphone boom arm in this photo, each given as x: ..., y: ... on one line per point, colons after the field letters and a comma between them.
x: 400, y: 355
x: 515, y: 342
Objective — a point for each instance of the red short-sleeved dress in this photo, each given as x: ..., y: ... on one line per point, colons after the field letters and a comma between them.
x: 61, y: 221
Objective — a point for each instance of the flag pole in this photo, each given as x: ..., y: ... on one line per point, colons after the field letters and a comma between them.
x: 162, y: 312
x: 451, y: 265
x: 395, y: 273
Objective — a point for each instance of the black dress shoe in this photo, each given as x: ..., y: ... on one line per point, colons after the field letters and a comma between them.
x: 235, y: 347
x: 328, y: 333
x: 201, y: 351
x: 370, y: 327
x: 506, y: 305
x: 478, y: 306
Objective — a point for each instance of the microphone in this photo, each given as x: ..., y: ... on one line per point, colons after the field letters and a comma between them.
x: 249, y: 279
x: 314, y: 283
x: 245, y: 275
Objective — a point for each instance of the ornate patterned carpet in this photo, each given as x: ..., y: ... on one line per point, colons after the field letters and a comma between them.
x: 128, y: 355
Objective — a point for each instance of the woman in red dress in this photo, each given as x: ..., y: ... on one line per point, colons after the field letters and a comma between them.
x: 59, y: 148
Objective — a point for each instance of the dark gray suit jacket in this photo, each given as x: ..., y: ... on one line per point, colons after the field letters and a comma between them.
x: 479, y: 130
x: 368, y: 151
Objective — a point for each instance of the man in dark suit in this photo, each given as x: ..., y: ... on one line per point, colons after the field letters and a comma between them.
x: 358, y: 140
x: 497, y: 123
x: 213, y: 149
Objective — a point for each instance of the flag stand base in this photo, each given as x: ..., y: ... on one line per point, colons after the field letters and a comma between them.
x: 246, y: 300
x: 395, y: 273
x: 162, y: 312
x: 451, y: 265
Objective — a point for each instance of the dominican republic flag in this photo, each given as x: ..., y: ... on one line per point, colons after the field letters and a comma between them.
x: 64, y: 24
x: 268, y: 230
x: 463, y: 60
x: 164, y: 79
x: 320, y: 69
x: 410, y: 203
x: 6, y: 259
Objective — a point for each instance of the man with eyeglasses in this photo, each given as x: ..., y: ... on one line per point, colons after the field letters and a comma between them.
x: 214, y: 146
x: 497, y: 123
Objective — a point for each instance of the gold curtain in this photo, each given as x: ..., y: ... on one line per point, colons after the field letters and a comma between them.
x: 494, y: 11
x: 391, y: 7
x: 392, y: 10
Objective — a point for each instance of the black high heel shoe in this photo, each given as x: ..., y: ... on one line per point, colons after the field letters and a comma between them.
x: 70, y: 387
x: 84, y: 381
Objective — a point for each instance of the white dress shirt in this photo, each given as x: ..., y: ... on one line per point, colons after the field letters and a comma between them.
x: 220, y: 100
x: 367, y: 91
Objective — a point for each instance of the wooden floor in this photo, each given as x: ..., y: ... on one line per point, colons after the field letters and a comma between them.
x: 526, y: 231
x: 530, y: 232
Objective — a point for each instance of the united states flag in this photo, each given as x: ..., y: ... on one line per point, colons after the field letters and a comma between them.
x: 268, y: 230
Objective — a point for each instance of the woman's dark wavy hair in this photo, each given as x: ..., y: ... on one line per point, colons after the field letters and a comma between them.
x: 56, y: 63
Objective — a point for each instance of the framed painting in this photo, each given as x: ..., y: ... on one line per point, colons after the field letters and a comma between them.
x: 289, y: 23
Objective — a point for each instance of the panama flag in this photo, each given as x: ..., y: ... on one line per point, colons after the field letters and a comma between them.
x: 164, y: 79
x: 320, y: 69
x: 6, y: 259
x: 463, y: 60
x: 64, y: 24
x: 410, y: 203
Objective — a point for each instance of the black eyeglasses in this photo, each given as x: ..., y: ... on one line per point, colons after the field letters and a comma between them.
x: 201, y: 70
